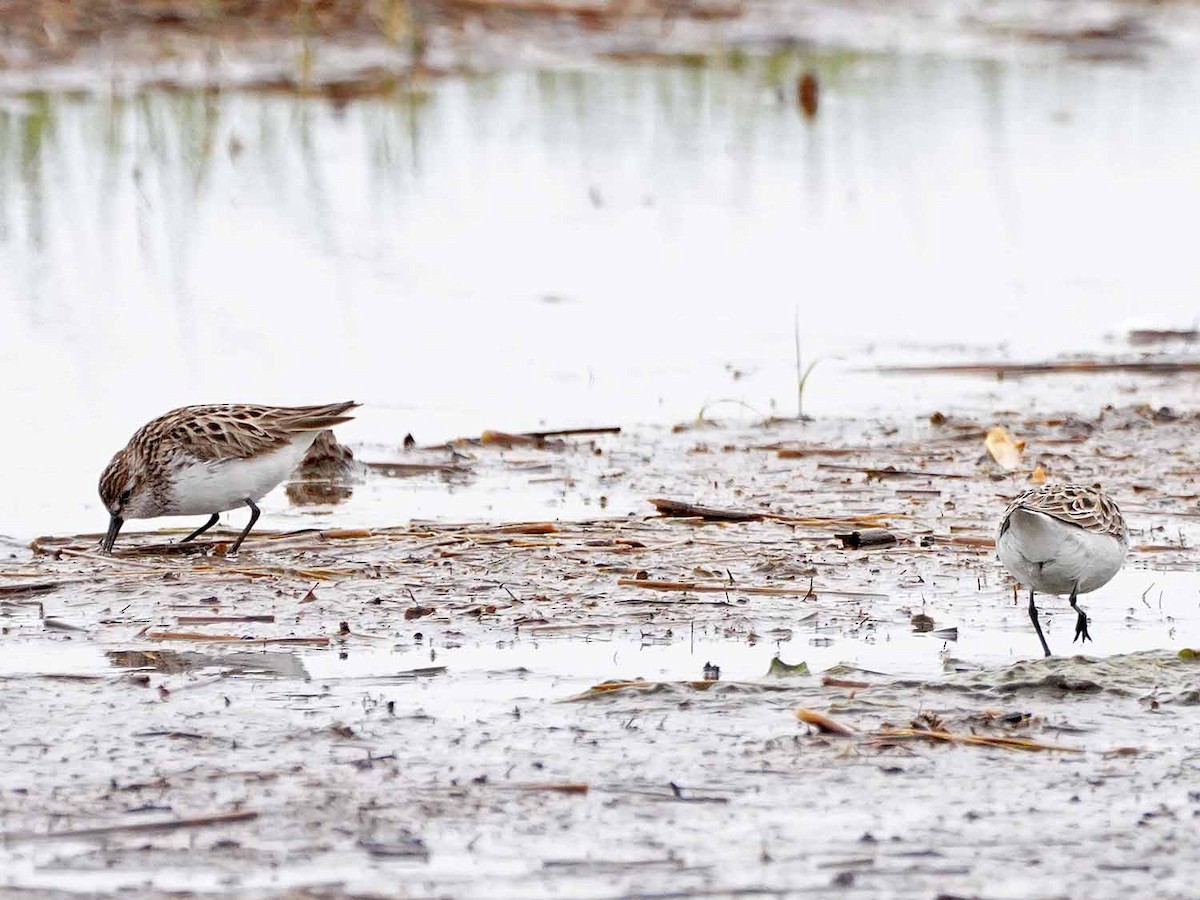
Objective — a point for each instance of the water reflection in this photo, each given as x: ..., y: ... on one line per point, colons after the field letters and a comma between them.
x: 326, y: 475
x: 180, y: 247
x: 172, y: 662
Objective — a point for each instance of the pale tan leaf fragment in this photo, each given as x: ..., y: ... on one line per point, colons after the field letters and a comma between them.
x: 1003, y: 449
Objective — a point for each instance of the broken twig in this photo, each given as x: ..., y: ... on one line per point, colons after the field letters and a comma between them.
x: 134, y: 827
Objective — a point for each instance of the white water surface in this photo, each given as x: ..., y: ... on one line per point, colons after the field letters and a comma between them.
x: 610, y: 246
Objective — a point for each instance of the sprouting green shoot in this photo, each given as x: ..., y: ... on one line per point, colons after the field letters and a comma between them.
x: 802, y: 371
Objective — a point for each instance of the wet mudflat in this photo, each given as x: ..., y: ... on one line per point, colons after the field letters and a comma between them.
x: 606, y: 705
x: 548, y: 689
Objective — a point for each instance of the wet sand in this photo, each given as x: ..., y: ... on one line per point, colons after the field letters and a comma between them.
x: 584, y: 698
x: 413, y: 711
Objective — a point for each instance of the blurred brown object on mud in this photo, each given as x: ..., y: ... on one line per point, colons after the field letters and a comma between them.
x: 323, y: 475
x: 808, y: 94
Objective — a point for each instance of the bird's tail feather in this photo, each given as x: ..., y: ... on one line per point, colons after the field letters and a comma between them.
x: 317, y: 418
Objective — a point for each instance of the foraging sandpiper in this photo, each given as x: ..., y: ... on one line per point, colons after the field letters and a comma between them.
x: 1062, y: 539
x: 207, y: 459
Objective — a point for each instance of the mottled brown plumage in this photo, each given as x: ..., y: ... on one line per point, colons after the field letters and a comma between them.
x: 1062, y: 539
x: 1076, y: 504
x: 206, y: 459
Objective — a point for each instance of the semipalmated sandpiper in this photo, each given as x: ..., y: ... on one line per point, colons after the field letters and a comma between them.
x: 203, y: 460
x: 1062, y: 539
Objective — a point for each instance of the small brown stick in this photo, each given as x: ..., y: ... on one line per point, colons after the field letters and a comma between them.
x: 215, y: 620
x: 100, y: 557
x: 1140, y: 337
x: 134, y: 827
x: 13, y: 573
x: 823, y: 723
x: 830, y: 681
x: 890, y: 472
x: 645, y: 601
x: 345, y: 534
x: 560, y: 788
x: 528, y: 438
x: 964, y: 540
x: 1143, y: 367
x: 573, y: 432
x: 320, y: 574
x: 529, y: 528
x: 609, y: 686
x: 231, y: 638
x: 1004, y: 743
x: 24, y: 590
x: 677, y: 508
x: 803, y: 452
x: 726, y: 588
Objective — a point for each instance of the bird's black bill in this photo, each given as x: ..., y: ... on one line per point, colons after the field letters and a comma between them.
x: 114, y: 527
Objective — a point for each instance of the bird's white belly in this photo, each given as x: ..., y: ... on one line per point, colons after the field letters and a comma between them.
x: 1051, y: 557
x: 211, y: 487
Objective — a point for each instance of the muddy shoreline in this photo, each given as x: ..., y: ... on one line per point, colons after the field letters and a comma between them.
x: 413, y: 710
x: 493, y: 668
x: 389, y: 48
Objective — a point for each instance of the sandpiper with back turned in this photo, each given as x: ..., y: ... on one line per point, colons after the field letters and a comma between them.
x: 207, y: 459
x: 1062, y: 539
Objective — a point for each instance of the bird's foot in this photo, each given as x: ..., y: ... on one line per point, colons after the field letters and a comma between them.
x: 1081, y: 629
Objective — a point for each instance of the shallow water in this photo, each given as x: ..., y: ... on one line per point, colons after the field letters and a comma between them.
x: 485, y: 773
x: 607, y: 246
x: 610, y: 246
x: 1163, y: 617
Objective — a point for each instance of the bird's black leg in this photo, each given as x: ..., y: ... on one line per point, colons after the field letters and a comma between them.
x: 1081, y: 632
x: 1037, y: 626
x: 254, y: 512
x: 203, y: 528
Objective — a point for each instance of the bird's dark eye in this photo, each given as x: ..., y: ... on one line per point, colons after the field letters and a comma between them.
x: 125, y: 495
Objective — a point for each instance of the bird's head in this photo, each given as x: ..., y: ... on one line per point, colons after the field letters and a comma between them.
x: 126, y: 494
